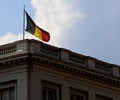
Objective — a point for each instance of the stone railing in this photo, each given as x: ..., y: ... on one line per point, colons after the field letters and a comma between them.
x: 37, y: 47
x: 7, y: 49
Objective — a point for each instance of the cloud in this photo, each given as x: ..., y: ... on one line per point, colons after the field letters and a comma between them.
x: 56, y: 16
x: 10, y: 37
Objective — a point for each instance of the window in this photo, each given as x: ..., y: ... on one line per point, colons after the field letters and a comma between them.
x: 76, y: 97
x: 50, y: 91
x: 7, y: 94
x: 78, y: 94
x: 7, y: 91
x: 99, y: 97
x: 48, y: 94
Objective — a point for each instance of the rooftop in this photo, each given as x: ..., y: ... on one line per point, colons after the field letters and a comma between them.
x: 61, y: 54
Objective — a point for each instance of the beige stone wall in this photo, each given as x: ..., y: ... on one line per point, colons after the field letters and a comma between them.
x: 19, y: 76
x: 31, y: 63
x: 68, y: 81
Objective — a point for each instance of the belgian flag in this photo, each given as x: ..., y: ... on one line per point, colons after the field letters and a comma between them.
x: 35, y: 30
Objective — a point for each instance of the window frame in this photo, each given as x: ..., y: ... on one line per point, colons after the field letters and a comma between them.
x: 51, y: 86
x: 105, y: 97
x: 78, y: 93
x: 7, y: 85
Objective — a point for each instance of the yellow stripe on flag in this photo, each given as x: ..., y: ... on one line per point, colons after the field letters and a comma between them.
x: 38, y: 32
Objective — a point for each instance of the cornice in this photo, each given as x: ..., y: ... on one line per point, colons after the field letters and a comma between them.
x: 105, y: 79
x: 30, y: 59
x: 13, y: 60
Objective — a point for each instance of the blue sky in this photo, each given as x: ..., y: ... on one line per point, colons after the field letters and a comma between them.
x: 88, y: 27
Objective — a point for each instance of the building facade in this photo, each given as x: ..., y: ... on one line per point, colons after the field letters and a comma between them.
x: 32, y: 70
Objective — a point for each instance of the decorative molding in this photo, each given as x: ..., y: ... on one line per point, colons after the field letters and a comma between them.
x: 77, y: 71
x: 30, y: 59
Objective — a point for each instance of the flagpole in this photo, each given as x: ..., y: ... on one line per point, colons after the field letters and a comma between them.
x: 24, y: 23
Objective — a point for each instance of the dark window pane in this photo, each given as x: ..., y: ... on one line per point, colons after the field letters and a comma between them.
x: 12, y: 93
x: 50, y: 95
x: 44, y: 94
x: 71, y: 98
x: 50, y: 91
x: 4, y: 94
x: 99, y: 97
x: 7, y: 93
x: 76, y: 97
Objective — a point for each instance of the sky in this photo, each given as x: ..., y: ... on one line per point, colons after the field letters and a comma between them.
x: 87, y: 27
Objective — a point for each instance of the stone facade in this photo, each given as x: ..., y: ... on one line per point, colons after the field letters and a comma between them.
x: 32, y: 70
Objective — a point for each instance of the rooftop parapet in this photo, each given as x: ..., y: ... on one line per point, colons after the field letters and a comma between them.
x: 37, y: 47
